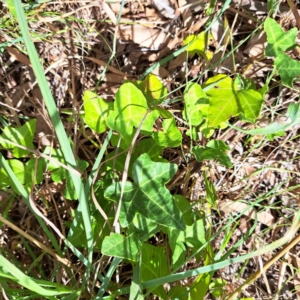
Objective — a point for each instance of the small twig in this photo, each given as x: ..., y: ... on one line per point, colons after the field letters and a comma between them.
x: 295, y: 11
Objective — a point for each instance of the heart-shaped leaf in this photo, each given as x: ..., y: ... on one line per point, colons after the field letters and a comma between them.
x: 130, y: 108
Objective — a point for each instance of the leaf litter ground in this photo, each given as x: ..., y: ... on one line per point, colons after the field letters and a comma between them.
x: 76, y: 52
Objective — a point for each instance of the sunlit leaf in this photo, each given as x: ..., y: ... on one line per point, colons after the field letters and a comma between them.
x: 226, y: 100
x: 18, y: 168
x: 198, y: 45
x: 195, y: 103
x: 130, y: 107
x: 170, y: 137
x: 22, y: 136
x: 96, y: 111
x: 153, y: 89
x: 154, y: 265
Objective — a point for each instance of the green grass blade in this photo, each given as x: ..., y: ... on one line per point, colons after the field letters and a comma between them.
x: 59, y: 128
x: 8, y: 270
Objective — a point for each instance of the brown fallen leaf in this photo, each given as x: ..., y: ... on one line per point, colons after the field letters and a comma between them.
x: 264, y: 217
x: 17, y: 55
x: 145, y: 37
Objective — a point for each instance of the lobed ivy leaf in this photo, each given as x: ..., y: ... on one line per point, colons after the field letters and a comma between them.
x: 170, y: 137
x: 96, y: 111
x: 278, y: 39
x: 22, y: 136
x: 143, y: 225
x: 288, y: 68
x: 118, y: 245
x: 227, y: 100
x: 147, y: 195
x: 130, y: 107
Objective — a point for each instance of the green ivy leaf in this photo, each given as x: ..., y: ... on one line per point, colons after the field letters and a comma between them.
x: 70, y: 192
x: 32, y: 176
x: 170, y: 137
x: 212, y: 152
x: 18, y: 168
x: 148, y: 194
x: 154, y: 264
x: 178, y: 249
x: 118, y: 245
x: 147, y: 145
x: 185, y: 207
x: 195, y: 102
x: 216, y: 287
x: 153, y: 89
x: 142, y: 224
x: 130, y: 108
x: 226, y: 101
x: 22, y: 136
x: 288, y: 68
x: 193, y: 236
x: 278, y: 39
x: 147, y: 127
x: 96, y: 111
